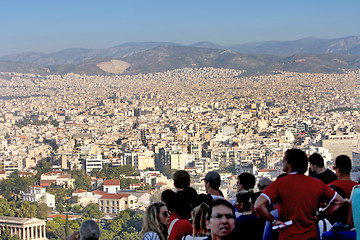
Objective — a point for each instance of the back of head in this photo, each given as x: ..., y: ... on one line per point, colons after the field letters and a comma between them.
x: 263, y: 183
x: 168, y: 196
x: 343, y: 164
x: 316, y: 159
x: 247, y: 180
x: 181, y: 179
x: 199, y: 217
x: 244, y: 198
x: 214, y: 179
x: 89, y: 230
x: 297, y: 159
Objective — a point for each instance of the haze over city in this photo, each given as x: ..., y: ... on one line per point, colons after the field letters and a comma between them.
x: 49, y: 26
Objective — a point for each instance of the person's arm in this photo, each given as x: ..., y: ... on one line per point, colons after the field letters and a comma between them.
x: 263, y: 212
x: 331, y: 208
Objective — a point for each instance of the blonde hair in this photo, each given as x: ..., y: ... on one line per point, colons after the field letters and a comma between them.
x: 199, y: 217
x: 151, y: 221
x: 89, y: 230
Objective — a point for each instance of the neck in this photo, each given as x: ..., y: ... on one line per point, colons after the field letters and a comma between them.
x: 344, y: 177
x: 320, y: 170
x: 214, y: 192
x: 246, y: 213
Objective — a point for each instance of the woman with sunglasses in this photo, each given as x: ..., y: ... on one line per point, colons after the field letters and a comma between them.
x: 155, y: 222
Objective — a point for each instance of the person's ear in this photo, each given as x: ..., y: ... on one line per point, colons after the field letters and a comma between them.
x: 207, y: 223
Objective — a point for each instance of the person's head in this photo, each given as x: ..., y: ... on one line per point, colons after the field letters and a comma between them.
x: 295, y: 160
x: 342, y: 165
x: 168, y: 196
x: 263, y: 183
x: 89, y: 230
x: 220, y: 219
x: 212, y: 180
x: 243, y: 203
x: 316, y: 161
x: 181, y: 179
x: 199, y: 219
x: 156, y: 219
x: 246, y: 181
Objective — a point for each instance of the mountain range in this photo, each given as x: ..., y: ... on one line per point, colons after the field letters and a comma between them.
x: 304, y: 55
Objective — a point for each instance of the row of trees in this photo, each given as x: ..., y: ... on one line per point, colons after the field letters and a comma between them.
x: 23, y: 209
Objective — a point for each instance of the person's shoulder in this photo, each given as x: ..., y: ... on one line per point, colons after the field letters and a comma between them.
x: 183, y: 222
x: 151, y: 236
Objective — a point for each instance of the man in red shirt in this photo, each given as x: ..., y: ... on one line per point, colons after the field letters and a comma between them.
x: 342, y: 169
x: 298, y: 197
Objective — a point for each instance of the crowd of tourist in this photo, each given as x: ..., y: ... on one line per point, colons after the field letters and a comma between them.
x: 323, y: 205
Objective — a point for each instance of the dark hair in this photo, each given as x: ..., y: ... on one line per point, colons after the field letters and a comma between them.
x: 181, y: 179
x: 168, y: 196
x: 343, y: 163
x: 205, y: 198
x: 244, y: 198
x: 217, y: 203
x: 297, y: 159
x: 247, y: 180
x: 181, y: 202
x: 214, y: 185
x: 316, y: 159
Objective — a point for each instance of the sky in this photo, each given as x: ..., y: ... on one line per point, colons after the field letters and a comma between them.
x: 49, y: 26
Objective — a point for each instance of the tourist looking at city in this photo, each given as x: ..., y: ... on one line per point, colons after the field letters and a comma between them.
x: 247, y: 225
x: 220, y: 220
x: 298, y: 197
x: 212, y: 185
x: 155, y: 222
x: 89, y: 230
x: 246, y: 181
x: 181, y: 180
x: 180, y: 210
x: 198, y: 215
x: 342, y: 169
x: 318, y: 169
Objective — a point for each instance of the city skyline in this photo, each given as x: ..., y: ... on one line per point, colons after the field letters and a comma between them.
x: 46, y: 27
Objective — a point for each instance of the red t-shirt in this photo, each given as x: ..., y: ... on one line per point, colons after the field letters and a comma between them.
x: 182, y: 227
x: 346, y: 185
x: 298, y: 197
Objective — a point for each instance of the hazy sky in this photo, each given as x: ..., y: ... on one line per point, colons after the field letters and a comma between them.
x: 50, y: 25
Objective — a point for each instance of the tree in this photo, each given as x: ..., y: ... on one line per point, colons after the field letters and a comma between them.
x: 92, y: 211
x: 76, y: 209
x: 27, y: 210
x: 59, y: 207
x: 82, y: 181
x: 43, y: 211
x: 43, y: 166
x: 68, y: 207
x: 5, y: 208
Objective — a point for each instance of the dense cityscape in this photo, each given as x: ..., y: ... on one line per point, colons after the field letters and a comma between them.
x: 76, y: 147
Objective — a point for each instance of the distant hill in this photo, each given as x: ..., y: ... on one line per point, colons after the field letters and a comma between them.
x: 79, y: 55
x: 348, y: 45
x: 20, y: 67
x: 143, y: 58
x: 172, y: 57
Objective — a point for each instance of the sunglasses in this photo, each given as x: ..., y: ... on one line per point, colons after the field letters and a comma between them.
x: 166, y: 214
